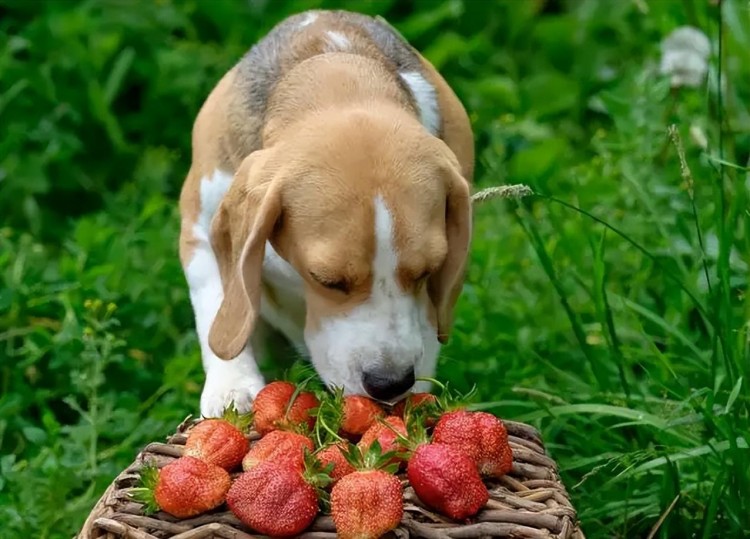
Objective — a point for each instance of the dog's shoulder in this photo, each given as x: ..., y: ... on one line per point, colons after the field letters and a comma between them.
x: 316, y: 32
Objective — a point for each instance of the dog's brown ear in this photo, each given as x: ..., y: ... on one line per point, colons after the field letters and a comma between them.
x: 244, y: 221
x: 445, y: 284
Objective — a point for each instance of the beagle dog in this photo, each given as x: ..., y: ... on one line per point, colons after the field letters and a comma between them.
x: 329, y: 195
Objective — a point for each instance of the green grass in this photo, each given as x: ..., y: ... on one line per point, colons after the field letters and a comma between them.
x: 610, y: 310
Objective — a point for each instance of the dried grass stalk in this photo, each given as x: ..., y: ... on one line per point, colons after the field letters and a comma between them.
x: 516, y: 191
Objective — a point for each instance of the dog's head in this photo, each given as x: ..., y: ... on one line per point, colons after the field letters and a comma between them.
x: 374, y: 215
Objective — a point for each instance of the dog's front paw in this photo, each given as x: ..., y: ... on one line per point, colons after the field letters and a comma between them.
x: 221, y: 391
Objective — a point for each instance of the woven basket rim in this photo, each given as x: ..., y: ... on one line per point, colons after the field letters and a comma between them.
x: 530, y: 502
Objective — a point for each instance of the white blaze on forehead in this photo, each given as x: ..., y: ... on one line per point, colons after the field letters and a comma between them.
x: 385, y: 261
x: 390, y: 330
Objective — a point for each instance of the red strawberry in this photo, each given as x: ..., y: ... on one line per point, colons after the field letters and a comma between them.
x: 183, y: 488
x: 481, y: 436
x: 274, y: 499
x: 271, y: 403
x: 360, y: 413
x: 217, y: 441
x: 416, y: 401
x: 447, y: 480
x: 367, y: 504
x: 385, y: 435
x: 278, y: 445
x: 333, y: 455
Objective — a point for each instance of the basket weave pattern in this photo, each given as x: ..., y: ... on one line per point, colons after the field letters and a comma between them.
x: 529, y: 503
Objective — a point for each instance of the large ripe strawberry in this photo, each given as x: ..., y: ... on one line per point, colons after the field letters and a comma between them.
x: 359, y: 414
x: 183, y: 488
x: 417, y: 401
x: 274, y: 499
x: 367, y: 504
x: 447, y: 480
x: 272, y: 409
x: 481, y: 436
x: 332, y: 454
x: 220, y: 441
x: 278, y: 445
x: 386, y: 437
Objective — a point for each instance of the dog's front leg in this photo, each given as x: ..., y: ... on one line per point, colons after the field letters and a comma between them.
x: 237, y: 380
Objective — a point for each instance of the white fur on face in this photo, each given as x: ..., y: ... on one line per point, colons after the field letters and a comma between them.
x: 389, y: 331
x: 426, y: 98
x: 239, y: 379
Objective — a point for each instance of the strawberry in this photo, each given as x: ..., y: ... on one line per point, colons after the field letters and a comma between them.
x: 416, y: 401
x: 278, y: 445
x: 385, y: 435
x: 220, y: 441
x: 447, y: 480
x: 481, y: 436
x: 273, y: 411
x: 274, y: 499
x: 183, y: 488
x: 359, y: 414
x: 332, y: 454
x: 368, y: 502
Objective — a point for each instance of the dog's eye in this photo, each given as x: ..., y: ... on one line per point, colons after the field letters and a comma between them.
x: 342, y: 285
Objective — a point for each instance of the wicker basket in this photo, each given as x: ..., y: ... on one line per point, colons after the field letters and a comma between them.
x: 530, y: 502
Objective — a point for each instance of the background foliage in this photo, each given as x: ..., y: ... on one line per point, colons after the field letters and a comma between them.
x: 620, y: 332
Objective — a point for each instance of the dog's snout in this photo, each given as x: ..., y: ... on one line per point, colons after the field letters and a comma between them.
x: 386, y: 385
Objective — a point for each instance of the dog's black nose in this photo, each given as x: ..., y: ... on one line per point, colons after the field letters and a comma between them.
x: 385, y: 385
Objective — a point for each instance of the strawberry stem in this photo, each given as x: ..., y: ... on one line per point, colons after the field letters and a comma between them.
x: 432, y: 381
x: 447, y: 400
x: 295, y: 394
x: 329, y: 416
x: 407, y: 443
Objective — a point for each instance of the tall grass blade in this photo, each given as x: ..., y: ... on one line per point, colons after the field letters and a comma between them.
x: 605, y: 312
x: 698, y: 304
x: 712, y: 508
x: 531, y: 231
x: 662, y: 518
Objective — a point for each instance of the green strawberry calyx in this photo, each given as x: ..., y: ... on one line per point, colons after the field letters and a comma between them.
x: 301, y: 427
x: 449, y: 400
x: 329, y: 415
x: 144, y: 493
x: 317, y: 476
x: 416, y: 432
x: 372, y: 459
x: 240, y: 421
x: 422, y: 411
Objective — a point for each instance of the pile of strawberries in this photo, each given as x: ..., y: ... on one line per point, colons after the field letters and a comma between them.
x: 323, y: 452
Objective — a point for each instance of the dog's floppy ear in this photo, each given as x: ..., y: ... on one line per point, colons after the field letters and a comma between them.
x: 244, y: 221
x: 446, y: 283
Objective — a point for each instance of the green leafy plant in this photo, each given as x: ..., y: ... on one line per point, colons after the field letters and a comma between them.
x: 609, y: 308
